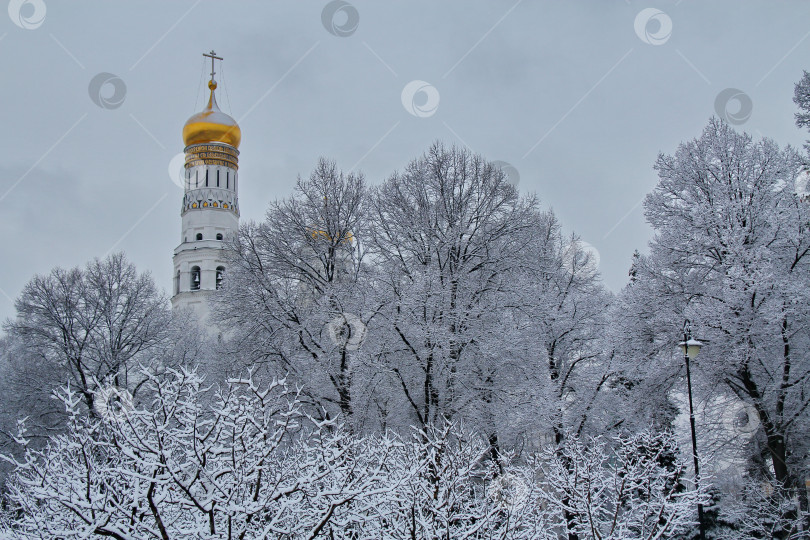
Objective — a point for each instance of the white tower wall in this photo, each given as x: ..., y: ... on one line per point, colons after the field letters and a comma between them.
x: 210, y: 215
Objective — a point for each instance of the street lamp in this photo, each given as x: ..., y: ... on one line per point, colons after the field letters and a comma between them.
x: 690, y: 348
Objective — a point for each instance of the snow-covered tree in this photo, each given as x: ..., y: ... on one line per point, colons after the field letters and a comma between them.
x: 448, y: 232
x: 633, y: 490
x: 439, y: 295
x: 756, y: 512
x: 564, y: 317
x: 93, y: 324
x: 731, y: 253
x: 243, y: 460
x: 294, y: 296
x: 801, y: 97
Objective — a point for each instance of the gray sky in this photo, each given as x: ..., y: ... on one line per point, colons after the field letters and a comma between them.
x: 575, y: 95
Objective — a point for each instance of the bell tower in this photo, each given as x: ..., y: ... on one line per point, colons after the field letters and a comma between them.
x: 210, y: 210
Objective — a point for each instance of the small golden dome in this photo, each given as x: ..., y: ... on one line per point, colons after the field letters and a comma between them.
x: 317, y: 234
x: 212, y: 125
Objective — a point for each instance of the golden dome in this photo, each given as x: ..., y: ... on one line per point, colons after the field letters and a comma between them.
x: 347, y: 238
x: 212, y: 125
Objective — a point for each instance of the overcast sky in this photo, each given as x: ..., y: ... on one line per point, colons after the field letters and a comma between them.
x: 579, y: 97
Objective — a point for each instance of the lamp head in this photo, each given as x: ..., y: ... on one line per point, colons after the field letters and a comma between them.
x: 690, y: 348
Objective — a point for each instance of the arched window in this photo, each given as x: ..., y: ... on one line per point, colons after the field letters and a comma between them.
x: 220, y: 276
x: 199, y: 236
x: 217, y: 177
x: 177, y: 283
x: 219, y: 236
x: 195, y: 278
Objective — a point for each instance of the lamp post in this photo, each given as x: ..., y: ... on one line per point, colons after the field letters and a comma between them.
x: 691, y: 348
